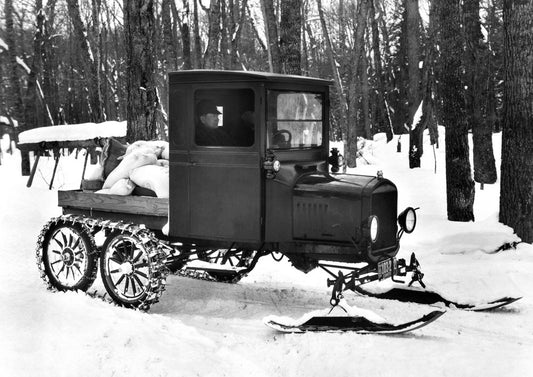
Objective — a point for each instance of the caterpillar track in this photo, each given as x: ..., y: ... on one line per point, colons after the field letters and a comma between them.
x: 70, y: 239
x: 77, y: 253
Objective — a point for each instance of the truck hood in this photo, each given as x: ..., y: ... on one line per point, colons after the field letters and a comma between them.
x: 349, y: 186
x: 336, y: 208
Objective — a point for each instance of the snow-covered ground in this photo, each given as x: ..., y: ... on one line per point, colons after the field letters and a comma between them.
x: 213, y: 329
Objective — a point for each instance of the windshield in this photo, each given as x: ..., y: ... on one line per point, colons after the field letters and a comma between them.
x: 294, y: 119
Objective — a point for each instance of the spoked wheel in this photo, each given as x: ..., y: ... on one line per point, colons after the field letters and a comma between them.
x: 132, y: 268
x: 66, y: 253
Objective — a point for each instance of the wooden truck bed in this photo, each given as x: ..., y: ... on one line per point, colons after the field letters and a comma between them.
x: 153, y: 212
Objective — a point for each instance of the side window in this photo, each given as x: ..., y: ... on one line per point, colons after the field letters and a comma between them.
x: 224, y: 117
x: 294, y: 119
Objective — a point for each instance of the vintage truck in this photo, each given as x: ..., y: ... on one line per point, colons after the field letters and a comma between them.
x: 275, y: 190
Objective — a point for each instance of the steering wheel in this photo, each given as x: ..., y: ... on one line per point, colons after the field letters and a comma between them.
x: 281, y: 140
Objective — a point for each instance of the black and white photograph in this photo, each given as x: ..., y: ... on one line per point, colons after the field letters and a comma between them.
x: 277, y: 188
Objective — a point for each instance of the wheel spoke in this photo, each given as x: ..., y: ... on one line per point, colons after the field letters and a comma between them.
x: 114, y: 271
x: 76, y: 244
x: 57, y: 261
x: 113, y: 259
x: 78, y: 268
x: 67, y: 272
x: 127, y: 284
x: 120, y: 280
x: 56, y: 252
x: 65, y: 242
x: 141, y: 265
x: 70, y: 241
x: 133, y: 285
x: 137, y: 258
x: 136, y: 278
x: 58, y: 241
x: 62, y: 268
x: 141, y: 274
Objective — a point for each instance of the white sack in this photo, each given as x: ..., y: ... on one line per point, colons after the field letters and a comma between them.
x: 122, y: 187
x: 159, y: 147
x: 131, y: 161
x: 153, y: 177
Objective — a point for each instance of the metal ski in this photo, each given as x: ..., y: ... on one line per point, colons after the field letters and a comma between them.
x: 360, y: 324
x: 424, y: 296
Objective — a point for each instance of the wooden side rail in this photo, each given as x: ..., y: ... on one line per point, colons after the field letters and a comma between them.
x: 138, y: 205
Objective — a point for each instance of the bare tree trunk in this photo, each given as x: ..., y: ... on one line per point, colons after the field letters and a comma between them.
x: 484, y: 164
x: 339, y: 90
x: 290, y: 37
x: 90, y: 68
x: 170, y: 58
x: 237, y: 32
x: 313, y: 51
x: 413, y: 58
x: 211, y: 57
x: 350, y: 147
x: 143, y: 100
x: 383, y: 122
x: 365, y: 96
x: 427, y: 119
x: 516, y: 195
x: 197, y: 62
x: 459, y: 184
x: 34, y: 103
x: 271, y: 26
x: 14, y: 100
x: 186, y: 41
x: 49, y: 68
x: 226, y: 26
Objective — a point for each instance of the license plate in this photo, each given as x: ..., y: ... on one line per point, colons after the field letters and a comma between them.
x: 385, y: 268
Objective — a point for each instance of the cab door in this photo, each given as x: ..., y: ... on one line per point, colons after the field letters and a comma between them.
x: 222, y: 183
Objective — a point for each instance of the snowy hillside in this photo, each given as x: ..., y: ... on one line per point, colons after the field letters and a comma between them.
x: 202, y: 328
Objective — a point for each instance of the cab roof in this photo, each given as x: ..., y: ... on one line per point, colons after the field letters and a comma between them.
x: 206, y: 75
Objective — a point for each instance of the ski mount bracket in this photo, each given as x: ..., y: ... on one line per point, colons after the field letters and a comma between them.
x: 389, y: 268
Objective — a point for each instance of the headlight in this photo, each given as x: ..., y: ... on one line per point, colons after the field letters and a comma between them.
x: 373, y: 226
x: 407, y: 220
x: 276, y: 165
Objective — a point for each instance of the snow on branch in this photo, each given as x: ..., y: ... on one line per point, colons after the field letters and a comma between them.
x: 73, y: 132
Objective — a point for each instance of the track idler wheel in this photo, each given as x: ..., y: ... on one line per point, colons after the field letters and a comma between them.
x: 132, y: 268
x: 67, y: 255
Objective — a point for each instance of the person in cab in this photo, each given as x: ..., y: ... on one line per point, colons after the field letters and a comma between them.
x: 208, y: 131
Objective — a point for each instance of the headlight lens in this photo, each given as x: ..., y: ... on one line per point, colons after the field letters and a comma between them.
x: 407, y: 220
x: 276, y: 165
x: 373, y: 225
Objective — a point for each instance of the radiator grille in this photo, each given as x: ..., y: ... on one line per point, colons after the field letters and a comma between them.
x: 384, y: 206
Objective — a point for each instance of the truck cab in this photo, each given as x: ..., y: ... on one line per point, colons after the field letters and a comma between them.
x: 271, y: 186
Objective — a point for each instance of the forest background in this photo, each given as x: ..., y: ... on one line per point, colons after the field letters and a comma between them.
x: 464, y: 64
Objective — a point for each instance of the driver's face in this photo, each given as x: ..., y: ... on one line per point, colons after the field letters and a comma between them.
x: 210, y: 120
